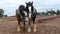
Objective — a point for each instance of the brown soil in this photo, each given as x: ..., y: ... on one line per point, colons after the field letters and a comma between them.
x: 49, y: 25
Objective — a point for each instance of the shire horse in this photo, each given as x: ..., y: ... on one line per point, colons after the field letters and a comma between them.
x: 26, y: 14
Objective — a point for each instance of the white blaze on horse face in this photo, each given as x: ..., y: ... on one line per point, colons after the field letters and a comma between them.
x: 29, y: 11
x: 29, y: 8
x: 29, y: 15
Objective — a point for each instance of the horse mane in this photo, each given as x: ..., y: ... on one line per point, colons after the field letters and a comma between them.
x: 21, y: 10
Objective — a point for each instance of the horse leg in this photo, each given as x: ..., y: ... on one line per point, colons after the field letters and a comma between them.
x: 18, y: 19
x: 24, y: 25
x: 18, y: 29
x: 29, y: 29
x: 34, y: 25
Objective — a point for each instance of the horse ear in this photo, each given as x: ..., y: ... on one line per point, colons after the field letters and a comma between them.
x: 26, y: 2
x: 32, y: 2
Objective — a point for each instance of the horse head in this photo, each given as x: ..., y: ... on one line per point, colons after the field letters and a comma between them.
x: 29, y: 3
x: 29, y: 8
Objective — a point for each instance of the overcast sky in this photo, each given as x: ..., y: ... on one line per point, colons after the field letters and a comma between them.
x: 10, y: 6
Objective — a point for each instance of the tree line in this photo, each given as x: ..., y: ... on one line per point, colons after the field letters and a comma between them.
x: 50, y: 12
x: 2, y: 13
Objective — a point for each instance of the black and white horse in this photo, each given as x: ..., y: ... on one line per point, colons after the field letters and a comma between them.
x: 20, y: 16
x: 26, y: 14
x: 31, y: 12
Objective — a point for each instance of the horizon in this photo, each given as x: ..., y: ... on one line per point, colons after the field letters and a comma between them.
x: 10, y: 6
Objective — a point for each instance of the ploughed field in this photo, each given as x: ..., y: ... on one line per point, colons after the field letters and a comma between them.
x: 45, y: 25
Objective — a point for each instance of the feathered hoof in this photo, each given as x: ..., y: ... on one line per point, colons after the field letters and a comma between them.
x: 29, y: 29
x: 18, y: 30
x: 34, y: 30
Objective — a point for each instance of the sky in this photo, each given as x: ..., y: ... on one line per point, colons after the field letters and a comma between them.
x: 10, y: 6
